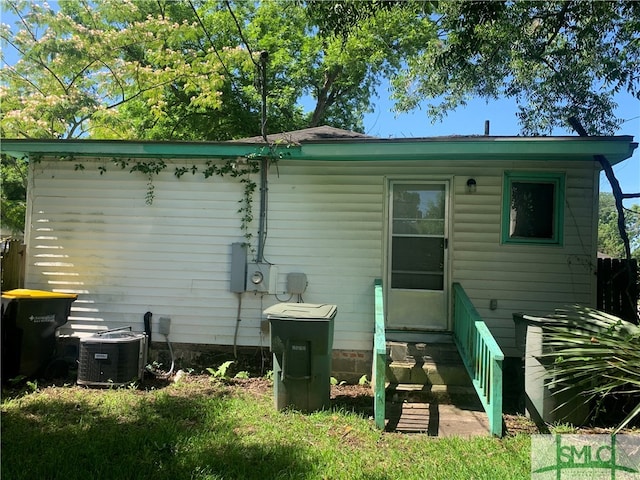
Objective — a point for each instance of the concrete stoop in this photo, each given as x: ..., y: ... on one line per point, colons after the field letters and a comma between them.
x: 426, y: 364
x: 429, y: 391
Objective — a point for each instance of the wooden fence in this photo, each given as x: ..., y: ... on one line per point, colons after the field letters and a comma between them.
x: 13, y: 262
x: 618, y: 288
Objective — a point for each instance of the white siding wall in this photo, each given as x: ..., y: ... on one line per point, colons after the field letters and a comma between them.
x: 535, y: 279
x: 94, y: 235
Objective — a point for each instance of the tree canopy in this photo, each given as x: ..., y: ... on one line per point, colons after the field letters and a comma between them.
x: 609, y: 241
x: 13, y: 202
x: 557, y: 59
x: 190, y: 69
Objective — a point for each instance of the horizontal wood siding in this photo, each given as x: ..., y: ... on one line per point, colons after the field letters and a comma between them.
x: 93, y: 234
x: 326, y: 221
x: 535, y: 279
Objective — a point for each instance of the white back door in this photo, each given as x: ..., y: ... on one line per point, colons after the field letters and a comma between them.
x: 417, y: 290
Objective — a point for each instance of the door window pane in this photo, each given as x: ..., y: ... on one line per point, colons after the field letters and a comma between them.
x: 417, y: 263
x: 418, y: 254
x: 417, y: 281
x: 417, y: 238
x: 418, y: 209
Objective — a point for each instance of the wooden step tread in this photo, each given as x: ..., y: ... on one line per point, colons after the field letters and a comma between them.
x: 445, y: 394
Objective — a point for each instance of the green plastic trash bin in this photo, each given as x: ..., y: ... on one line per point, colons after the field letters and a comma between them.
x: 302, y: 343
x: 29, y: 322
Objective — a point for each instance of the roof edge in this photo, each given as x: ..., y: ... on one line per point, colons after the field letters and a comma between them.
x: 614, y: 148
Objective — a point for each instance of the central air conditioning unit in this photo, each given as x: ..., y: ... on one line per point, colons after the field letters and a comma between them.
x: 112, y: 358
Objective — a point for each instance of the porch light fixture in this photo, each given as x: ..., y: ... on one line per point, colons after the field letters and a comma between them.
x: 471, y: 185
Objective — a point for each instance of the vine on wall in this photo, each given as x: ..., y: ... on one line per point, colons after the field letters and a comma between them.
x: 241, y: 168
x: 236, y: 169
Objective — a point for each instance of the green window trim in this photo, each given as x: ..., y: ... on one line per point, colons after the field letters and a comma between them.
x: 553, y: 180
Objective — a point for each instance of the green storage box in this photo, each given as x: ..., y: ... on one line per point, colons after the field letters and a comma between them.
x: 302, y: 344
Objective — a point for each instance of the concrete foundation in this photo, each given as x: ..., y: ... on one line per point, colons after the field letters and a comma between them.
x: 346, y: 365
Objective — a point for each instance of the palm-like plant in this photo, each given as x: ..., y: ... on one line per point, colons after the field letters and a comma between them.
x: 596, y: 352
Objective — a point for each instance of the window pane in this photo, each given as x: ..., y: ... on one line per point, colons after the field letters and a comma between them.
x: 532, y: 210
x: 417, y: 262
x: 417, y: 281
x: 418, y: 209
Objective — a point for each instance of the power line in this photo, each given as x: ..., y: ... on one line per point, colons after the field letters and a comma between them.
x: 244, y: 40
x: 215, y: 50
x: 629, y: 119
x: 262, y: 70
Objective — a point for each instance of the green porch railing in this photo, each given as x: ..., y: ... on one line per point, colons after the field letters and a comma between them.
x: 379, y: 357
x: 481, y: 356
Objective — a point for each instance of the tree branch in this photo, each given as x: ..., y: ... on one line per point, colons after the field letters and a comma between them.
x: 560, y: 18
x: 18, y: 75
x: 615, y: 187
x: 23, y: 21
x: 324, y: 99
x: 215, y: 50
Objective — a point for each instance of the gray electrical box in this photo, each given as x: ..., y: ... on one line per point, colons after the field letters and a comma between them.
x: 164, y: 325
x: 296, y: 283
x: 261, y: 277
x: 238, y: 267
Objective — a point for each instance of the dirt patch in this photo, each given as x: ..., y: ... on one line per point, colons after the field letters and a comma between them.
x: 515, y: 424
x: 254, y: 386
x: 357, y: 392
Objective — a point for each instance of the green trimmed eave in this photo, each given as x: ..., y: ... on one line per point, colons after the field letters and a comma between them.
x: 132, y: 149
x: 472, y: 148
x: 615, y: 149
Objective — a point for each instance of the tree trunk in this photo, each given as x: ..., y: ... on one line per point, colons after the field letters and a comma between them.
x: 325, y: 99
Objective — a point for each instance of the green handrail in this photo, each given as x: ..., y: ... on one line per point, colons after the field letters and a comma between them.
x: 481, y: 356
x: 379, y: 357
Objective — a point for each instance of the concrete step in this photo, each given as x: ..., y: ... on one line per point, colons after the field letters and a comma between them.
x: 413, y: 336
x: 428, y: 373
x: 425, y: 364
x: 412, y: 351
x: 428, y: 390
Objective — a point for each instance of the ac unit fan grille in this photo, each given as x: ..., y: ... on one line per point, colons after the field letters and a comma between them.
x: 111, y: 363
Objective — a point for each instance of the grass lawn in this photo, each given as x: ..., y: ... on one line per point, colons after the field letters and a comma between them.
x: 200, y: 428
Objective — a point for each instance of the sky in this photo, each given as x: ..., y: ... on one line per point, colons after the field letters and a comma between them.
x: 470, y: 120
x: 384, y: 123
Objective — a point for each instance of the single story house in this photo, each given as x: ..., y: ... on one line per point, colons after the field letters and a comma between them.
x: 211, y: 234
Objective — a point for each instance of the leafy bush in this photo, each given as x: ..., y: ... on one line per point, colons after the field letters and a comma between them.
x: 597, y: 352
x: 222, y: 372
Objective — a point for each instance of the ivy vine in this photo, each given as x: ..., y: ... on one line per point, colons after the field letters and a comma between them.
x: 243, y: 169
